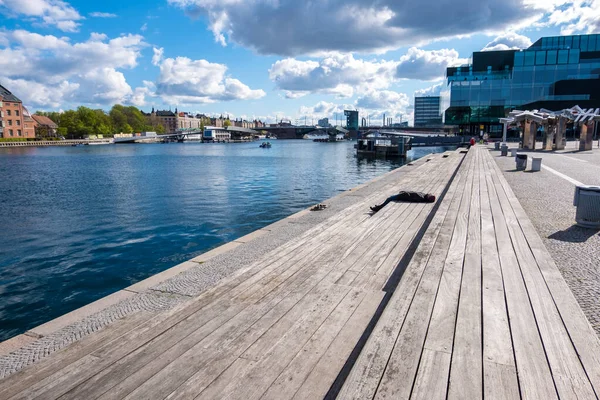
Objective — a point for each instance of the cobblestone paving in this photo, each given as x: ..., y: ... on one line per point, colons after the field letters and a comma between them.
x: 548, y: 201
x: 192, y: 282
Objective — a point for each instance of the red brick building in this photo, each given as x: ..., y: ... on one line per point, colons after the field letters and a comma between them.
x: 12, y: 117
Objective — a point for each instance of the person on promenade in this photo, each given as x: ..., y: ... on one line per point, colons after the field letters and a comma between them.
x: 472, y: 141
x: 411, y: 197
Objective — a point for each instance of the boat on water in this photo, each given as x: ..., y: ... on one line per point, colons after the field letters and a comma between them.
x: 265, y: 145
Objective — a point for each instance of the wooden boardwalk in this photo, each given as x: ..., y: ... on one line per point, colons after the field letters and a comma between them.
x: 459, y: 299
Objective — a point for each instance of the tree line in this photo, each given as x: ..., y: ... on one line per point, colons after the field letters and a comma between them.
x: 84, y: 121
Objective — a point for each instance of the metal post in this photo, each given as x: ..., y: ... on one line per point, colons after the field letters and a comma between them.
x: 504, y: 131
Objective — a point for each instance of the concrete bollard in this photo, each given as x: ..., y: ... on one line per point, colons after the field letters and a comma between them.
x: 513, y: 152
x: 504, y: 150
x: 521, y: 161
x: 536, y: 163
x: 497, y: 146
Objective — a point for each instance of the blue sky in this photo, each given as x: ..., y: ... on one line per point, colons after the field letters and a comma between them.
x: 260, y: 58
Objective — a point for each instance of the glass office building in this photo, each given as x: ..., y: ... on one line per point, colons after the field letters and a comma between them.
x: 554, y: 73
x: 427, y: 111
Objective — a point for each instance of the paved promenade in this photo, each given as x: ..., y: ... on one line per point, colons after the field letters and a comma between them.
x: 458, y: 299
x: 547, y: 197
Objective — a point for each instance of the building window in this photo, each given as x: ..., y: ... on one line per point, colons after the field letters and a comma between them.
x: 18, y: 122
x: 10, y: 122
x: 10, y: 132
x: 18, y: 132
x: 563, y: 56
x: 8, y: 111
x: 17, y: 113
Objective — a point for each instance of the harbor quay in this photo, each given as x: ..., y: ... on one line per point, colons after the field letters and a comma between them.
x: 461, y: 298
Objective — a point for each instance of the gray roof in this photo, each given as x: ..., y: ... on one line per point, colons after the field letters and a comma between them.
x: 7, y: 95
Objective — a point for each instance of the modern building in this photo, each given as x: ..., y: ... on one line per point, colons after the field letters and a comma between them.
x: 324, y: 123
x: 216, y: 134
x: 351, y: 119
x: 12, y: 124
x: 554, y: 73
x: 427, y: 111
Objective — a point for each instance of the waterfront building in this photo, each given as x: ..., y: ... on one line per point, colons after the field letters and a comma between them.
x: 427, y: 111
x: 351, y: 119
x: 29, y: 124
x: 216, y: 134
x: 44, y: 126
x: 324, y: 123
x: 168, y: 119
x: 11, y: 116
x: 554, y: 73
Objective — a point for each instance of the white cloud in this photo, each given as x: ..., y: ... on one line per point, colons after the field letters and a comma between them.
x: 373, y: 104
x: 102, y: 15
x: 49, y: 12
x: 158, y: 55
x: 185, y: 81
x: 144, y: 27
x: 508, y: 41
x: 427, y: 65
x: 384, y: 100
x: 434, y: 90
x: 343, y: 75
x: 355, y: 25
x: 47, y: 71
x: 581, y: 16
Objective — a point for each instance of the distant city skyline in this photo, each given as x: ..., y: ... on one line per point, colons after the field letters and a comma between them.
x: 290, y: 60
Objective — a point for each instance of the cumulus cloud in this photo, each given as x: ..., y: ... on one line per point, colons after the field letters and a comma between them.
x: 434, y: 90
x: 373, y: 104
x: 186, y: 81
x: 48, y: 12
x: 48, y: 71
x: 427, y: 65
x: 343, y: 75
x: 337, y: 74
x: 582, y: 16
x: 299, y: 27
x: 508, y: 41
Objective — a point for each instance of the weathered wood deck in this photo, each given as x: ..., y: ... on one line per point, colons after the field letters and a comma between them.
x: 459, y: 299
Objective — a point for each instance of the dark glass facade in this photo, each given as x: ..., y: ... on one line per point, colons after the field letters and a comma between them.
x: 351, y: 119
x: 427, y: 111
x: 553, y: 73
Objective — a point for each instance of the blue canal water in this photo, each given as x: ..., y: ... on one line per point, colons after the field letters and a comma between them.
x: 79, y: 223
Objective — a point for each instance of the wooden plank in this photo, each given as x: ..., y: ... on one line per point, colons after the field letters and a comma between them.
x: 466, y: 371
x: 499, y: 371
x: 500, y: 381
x: 126, y: 380
x: 367, y: 371
x: 440, y: 335
x: 584, y: 337
x: 497, y: 343
x: 569, y: 376
x: 535, y: 378
x: 186, y: 376
x: 324, y: 373
x: 34, y: 373
x: 293, y: 375
x: 428, y: 386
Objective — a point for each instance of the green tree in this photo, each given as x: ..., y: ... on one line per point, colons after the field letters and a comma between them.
x: 159, y: 129
x: 227, y: 123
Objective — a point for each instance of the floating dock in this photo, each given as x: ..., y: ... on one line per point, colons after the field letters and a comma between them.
x: 458, y: 299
